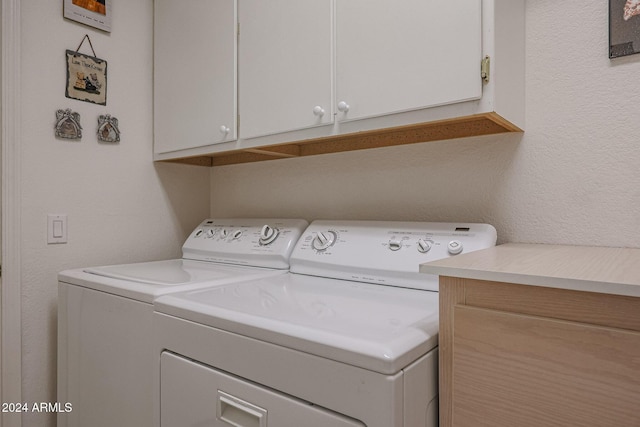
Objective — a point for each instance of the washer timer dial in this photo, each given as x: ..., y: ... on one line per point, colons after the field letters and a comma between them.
x: 268, y: 234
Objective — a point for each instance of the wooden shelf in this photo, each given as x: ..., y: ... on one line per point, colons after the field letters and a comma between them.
x: 462, y: 127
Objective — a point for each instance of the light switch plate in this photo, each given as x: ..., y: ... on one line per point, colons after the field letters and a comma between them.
x: 56, y: 229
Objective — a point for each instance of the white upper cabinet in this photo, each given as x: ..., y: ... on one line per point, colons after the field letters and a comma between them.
x: 194, y: 73
x: 401, y: 55
x: 324, y: 76
x: 285, y: 65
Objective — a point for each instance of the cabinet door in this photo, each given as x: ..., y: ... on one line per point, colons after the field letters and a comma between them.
x: 194, y: 73
x: 527, y: 371
x: 285, y: 65
x: 401, y: 55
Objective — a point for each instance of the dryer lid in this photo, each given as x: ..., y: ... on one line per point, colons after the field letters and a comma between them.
x: 380, y: 328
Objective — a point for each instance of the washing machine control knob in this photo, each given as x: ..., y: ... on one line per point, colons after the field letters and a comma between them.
x: 455, y: 247
x: 211, y: 232
x: 424, y: 246
x: 268, y: 235
x: 237, y: 234
x: 224, y: 233
x: 323, y: 240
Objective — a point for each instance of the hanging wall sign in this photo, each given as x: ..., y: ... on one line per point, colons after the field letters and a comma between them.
x: 86, y: 76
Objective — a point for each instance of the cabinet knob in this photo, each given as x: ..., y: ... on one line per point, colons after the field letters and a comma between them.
x: 343, y: 107
x: 318, y: 111
x: 224, y: 130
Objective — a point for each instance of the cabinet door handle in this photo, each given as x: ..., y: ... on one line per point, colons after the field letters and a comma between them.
x: 239, y: 413
x: 343, y: 107
x: 224, y: 130
x: 318, y: 111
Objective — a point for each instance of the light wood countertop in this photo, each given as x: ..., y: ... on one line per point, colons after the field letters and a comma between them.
x: 583, y: 268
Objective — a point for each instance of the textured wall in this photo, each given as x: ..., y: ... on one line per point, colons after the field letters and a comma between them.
x: 572, y: 178
x: 120, y: 207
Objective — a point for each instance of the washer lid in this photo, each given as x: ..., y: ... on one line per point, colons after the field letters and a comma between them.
x: 147, y: 280
x: 163, y: 273
x: 375, y: 327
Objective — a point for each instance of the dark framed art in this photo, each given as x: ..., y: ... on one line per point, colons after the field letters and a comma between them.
x: 86, y: 78
x: 624, y: 27
x: 95, y: 13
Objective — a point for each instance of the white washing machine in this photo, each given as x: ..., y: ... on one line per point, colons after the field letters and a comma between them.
x: 105, y: 345
x: 347, y: 338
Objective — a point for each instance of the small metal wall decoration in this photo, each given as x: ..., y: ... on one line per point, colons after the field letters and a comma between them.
x: 68, y: 124
x: 86, y: 76
x: 108, y: 129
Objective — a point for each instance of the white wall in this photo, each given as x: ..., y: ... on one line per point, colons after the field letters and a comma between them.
x: 572, y: 178
x: 120, y: 206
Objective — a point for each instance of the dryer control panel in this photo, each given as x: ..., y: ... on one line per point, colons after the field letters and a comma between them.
x: 259, y: 242
x: 383, y: 252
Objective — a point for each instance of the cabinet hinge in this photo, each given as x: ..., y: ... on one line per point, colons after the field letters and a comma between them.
x: 238, y: 27
x: 485, y: 67
x: 238, y: 122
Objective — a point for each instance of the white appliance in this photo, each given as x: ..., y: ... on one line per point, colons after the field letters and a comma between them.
x: 347, y: 338
x: 105, y: 345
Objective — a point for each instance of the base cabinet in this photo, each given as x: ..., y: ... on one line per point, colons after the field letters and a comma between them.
x: 516, y: 355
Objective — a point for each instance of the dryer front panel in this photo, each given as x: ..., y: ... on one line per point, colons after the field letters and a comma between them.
x: 194, y: 395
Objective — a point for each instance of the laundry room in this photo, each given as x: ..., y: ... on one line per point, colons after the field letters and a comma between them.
x: 569, y: 178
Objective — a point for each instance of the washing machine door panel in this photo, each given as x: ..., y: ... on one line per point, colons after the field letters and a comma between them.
x: 194, y: 395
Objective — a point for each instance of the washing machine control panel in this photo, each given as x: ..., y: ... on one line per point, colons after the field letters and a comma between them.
x: 260, y: 242
x: 384, y: 252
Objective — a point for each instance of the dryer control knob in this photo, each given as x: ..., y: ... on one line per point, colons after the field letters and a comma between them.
x: 395, y: 245
x: 323, y: 240
x: 424, y: 246
x: 237, y: 234
x: 454, y: 247
x: 211, y: 232
x: 268, y: 234
x: 224, y: 233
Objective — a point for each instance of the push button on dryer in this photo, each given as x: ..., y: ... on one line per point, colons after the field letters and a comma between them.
x: 454, y: 247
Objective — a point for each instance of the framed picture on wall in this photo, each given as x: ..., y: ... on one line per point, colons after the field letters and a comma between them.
x: 624, y: 27
x: 95, y: 13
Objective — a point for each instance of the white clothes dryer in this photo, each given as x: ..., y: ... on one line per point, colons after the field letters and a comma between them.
x: 347, y: 338
x: 105, y: 346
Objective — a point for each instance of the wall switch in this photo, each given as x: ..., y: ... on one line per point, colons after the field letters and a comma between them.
x: 56, y: 229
